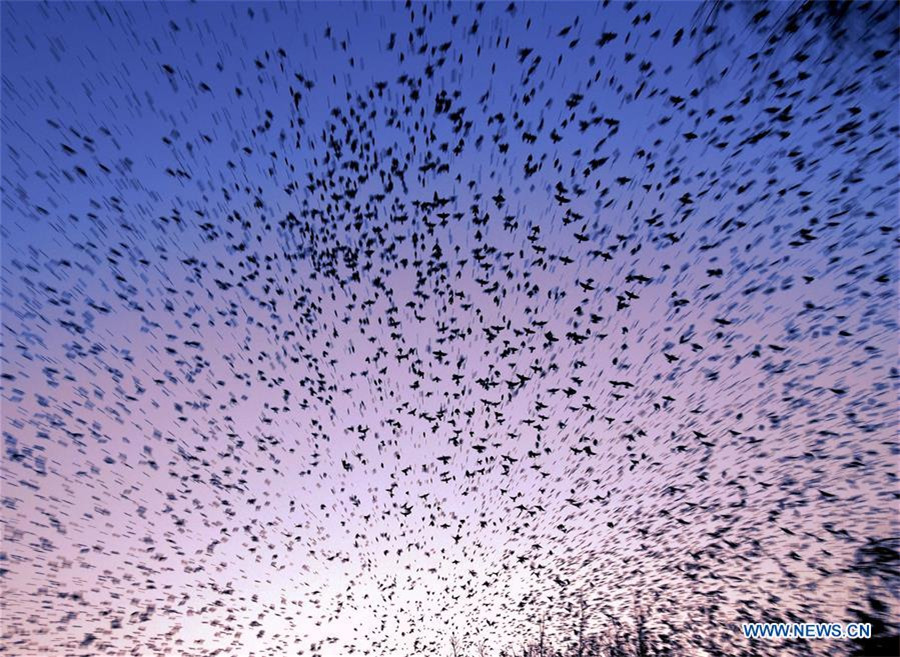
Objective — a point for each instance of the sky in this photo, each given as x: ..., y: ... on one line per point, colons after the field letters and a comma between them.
x: 349, y: 328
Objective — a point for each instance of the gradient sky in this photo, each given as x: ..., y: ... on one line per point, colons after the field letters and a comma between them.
x: 261, y: 274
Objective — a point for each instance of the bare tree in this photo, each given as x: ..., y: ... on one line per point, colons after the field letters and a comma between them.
x: 641, y: 637
x: 541, y: 645
x: 879, y: 563
x: 581, y: 629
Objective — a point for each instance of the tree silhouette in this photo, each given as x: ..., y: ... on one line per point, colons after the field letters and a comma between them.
x: 879, y: 562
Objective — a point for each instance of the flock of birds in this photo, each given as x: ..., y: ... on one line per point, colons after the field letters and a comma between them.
x: 435, y: 329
